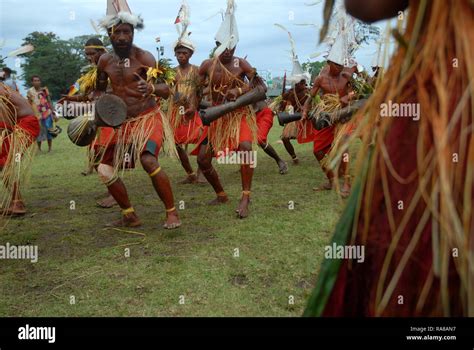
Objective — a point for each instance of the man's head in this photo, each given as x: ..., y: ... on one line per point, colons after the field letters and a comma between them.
x: 94, y: 48
x: 301, y: 85
x: 36, y: 81
x: 334, y: 68
x: 227, y: 56
x: 121, y: 37
x: 183, y: 54
x: 7, y: 72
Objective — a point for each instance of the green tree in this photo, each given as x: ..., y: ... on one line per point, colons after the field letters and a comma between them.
x: 58, y: 62
x: 314, y: 68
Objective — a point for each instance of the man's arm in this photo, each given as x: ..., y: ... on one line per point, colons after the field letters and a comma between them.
x: 152, y: 88
x: 202, y: 83
x: 102, y: 77
x: 254, y: 81
x: 309, y: 101
x: 252, y: 75
x: 31, y: 100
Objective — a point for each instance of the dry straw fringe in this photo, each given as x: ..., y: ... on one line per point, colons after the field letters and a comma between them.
x: 20, y: 156
x: 81, y: 125
x: 15, y: 174
x: 186, y: 86
x: 437, y: 34
x: 87, y: 82
x: 134, y: 134
x: 225, y: 132
x: 328, y: 103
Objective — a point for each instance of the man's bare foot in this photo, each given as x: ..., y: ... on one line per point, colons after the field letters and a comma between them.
x: 17, y: 208
x: 296, y: 161
x: 129, y: 220
x: 190, y: 179
x: 172, y: 221
x: 345, y: 190
x: 201, y: 179
x: 219, y: 200
x: 107, y: 203
x: 283, y: 167
x: 87, y: 172
x: 243, y: 209
x: 324, y: 187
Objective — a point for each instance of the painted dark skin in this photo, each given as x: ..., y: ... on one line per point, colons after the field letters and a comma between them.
x: 183, y: 56
x: 334, y: 80
x: 295, y: 97
x: 240, y: 68
x: 22, y: 109
x: 267, y: 148
x: 127, y: 73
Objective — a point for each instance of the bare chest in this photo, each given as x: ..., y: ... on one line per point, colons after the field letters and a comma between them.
x: 123, y: 71
x: 334, y: 85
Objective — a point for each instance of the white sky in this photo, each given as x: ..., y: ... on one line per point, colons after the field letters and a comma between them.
x: 266, y: 46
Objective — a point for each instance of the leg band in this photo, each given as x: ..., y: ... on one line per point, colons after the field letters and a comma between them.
x: 128, y: 211
x: 156, y: 172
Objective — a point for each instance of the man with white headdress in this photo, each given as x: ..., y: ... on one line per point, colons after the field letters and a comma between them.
x: 129, y: 70
x: 225, y: 75
x: 184, y: 101
x: 335, y: 81
x: 293, y: 102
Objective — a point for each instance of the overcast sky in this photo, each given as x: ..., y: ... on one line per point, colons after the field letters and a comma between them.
x: 266, y: 46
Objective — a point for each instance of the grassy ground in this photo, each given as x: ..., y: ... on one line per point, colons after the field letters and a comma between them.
x: 280, y: 250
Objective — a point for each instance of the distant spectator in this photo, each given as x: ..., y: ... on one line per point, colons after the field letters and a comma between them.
x: 8, y: 80
x: 40, y: 100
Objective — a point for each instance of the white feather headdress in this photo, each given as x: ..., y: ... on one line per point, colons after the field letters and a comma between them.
x: 297, y: 74
x: 119, y: 12
x: 182, y: 24
x: 228, y: 34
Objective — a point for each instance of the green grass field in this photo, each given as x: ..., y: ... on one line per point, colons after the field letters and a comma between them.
x: 83, y: 269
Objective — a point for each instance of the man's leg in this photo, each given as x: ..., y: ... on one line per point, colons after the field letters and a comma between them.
x: 118, y: 190
x: 17, y: 206
x: 246, y: 172
x: 329, y: 174
x: 201, y: 179
x: 291, y: 151
x: 205, y: 164
x: 268, y: 149
x: 345, y: 170
x: 183, y: 157
x: 162, y: 186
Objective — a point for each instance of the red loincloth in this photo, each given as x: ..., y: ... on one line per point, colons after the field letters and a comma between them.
x: 154, y: 142
x: 28, y: 124
x: 245, y: 135
x: 264, y: 124
x: 188, y: 132
x: 306, y: 132
x: 104, y: 136
x: 323, y: 139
